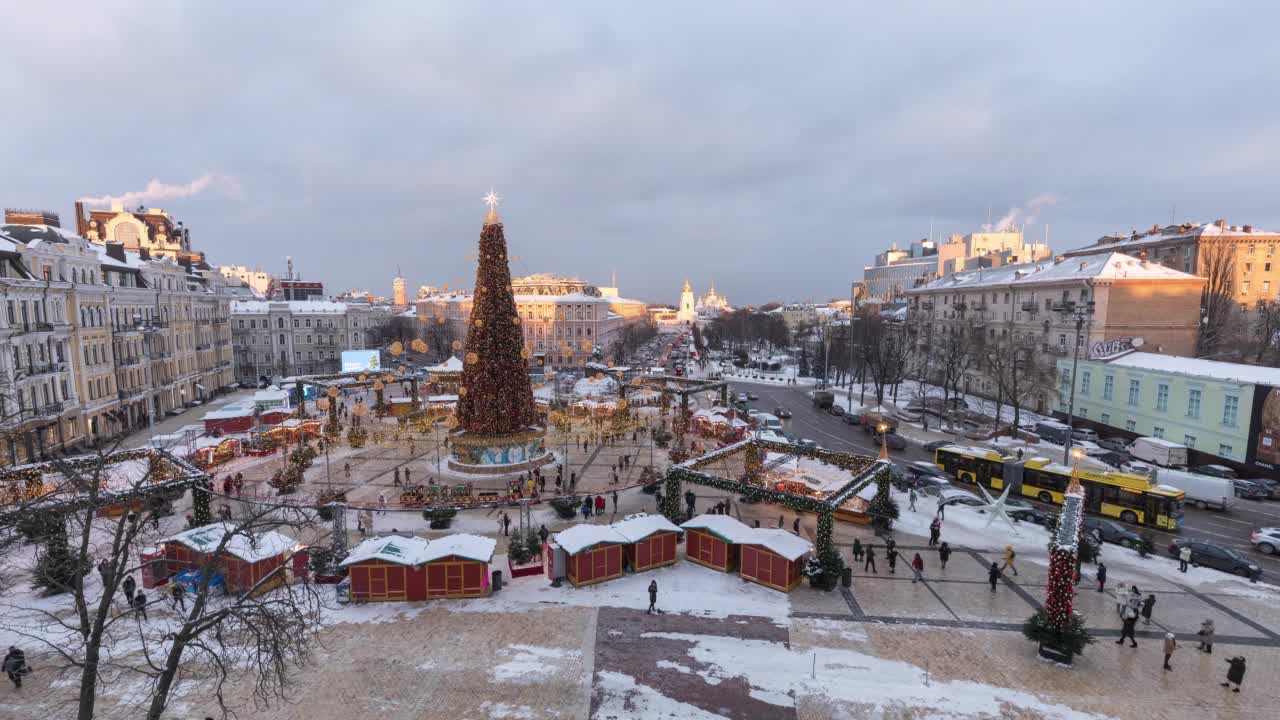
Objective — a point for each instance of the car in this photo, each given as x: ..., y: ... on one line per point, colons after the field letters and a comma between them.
x: 1217, y: 557
x: 1112, y: 458
x: 922, y: 467
x: 952, y: 496
x: 1030, y: 514
x: 1221, y: 471
x: 893, y: 440
x: 851, y: 418
x: 752, y: 396
x: 836, y: 410
x: 742, y: 397
x: 1111, y: 532
x: 1114, y: 444
x: 1271, y: 486
x: 782, y: 413
x: 1267, y: 540
x: 806, y: 442
x: 932, y: 446
x: 1249, y: 490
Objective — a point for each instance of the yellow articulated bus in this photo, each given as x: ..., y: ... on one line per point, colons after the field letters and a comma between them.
x: 1127, y: 497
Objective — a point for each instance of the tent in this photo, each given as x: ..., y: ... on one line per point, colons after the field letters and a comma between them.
x: 713, y: 540
x: 774, y: 558
x: 594, y: 553
x: 651, y: 541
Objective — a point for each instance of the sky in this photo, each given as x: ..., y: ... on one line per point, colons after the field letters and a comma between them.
x: 769, y: 148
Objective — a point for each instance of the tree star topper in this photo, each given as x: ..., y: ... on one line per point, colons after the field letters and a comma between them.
x: 491, y: 200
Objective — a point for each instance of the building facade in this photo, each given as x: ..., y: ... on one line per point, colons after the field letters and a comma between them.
x: 260, y: 282
x: 399, y: 292
x: 296, y: 337
x: 688, y: 311
x: 102, y: 340
x: 145, y: 229
x: 1030, y: 306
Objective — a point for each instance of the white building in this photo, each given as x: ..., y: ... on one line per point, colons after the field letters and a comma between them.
x: 688, y: 311
x: 296, y: 337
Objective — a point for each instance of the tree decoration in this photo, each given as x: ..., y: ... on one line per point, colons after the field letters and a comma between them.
x: 499, y: 397
x: 200, y: 502
x: 396, y: 348
x: 457, y: 344
x: 1059, y: 631
x: 883, y: 509
x: 472, y: 358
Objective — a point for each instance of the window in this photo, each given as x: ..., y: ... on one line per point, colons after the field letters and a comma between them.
x: 1157, y: 431
x: 1106, y: 419
x: 1084, y: 382
x: 1193, y: 403
x: 1108, y: 387
x: 1162, y: 397
x: 1266, y: 267
x: 1135, y: 388
x: 1230, y: 409
x: 1244, y: 287
x: 1131, y: 426
x: 1084, y: 412
x: 1189, y: 441
x: 1224, y: 450
x: 1266, y: 286
x: 1064, y: 381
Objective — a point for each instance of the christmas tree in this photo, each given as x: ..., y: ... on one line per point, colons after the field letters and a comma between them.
x: 495, y: 397
x: 1058, y: 629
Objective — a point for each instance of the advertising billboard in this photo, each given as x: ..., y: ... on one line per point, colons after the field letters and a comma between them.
x: 361, y: 361
x: 1264, y: 427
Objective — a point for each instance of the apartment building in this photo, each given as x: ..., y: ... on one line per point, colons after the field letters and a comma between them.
x: 1032, y: 306
x: 75, y: 372
x: 297, y: 337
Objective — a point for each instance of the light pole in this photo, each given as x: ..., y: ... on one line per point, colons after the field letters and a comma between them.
x: 1080, y: 312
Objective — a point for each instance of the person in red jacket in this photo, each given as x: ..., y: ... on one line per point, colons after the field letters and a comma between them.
x: 917, y: 568
x: 599, y: 504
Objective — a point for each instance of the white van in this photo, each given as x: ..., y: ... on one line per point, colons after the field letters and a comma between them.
x: 1203, y: 491
x: 768, y: 421
x: 1158, y: 451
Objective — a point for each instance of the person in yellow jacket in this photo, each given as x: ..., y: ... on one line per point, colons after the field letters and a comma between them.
x: 1009, y: 555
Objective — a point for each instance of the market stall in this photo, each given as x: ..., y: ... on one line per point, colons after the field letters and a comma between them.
x: 594, y: 553
x: 651, y: 541
x: 244, y: 560
x: 774, y: 558
x: 457, y: 566
x: 388, y: 568
x: 713, y: 541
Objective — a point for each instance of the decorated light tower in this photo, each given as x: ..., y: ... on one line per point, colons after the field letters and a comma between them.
x: 1057, y: 628
x: 498, y: 422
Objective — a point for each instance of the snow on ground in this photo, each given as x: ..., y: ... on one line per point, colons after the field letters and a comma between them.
x: 623, y: 697
x: 591, y: 387
x: 530, y: 663
x: 778, y: 674
x: 684, y: 587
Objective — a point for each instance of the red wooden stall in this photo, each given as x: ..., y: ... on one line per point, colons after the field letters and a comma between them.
x: 651, y: 541
x: 398, y: 568
x: 458, y: 566
x: 774, y: 559
x: 594, y: 553
x: 713, y: 541
x: 242, y: 563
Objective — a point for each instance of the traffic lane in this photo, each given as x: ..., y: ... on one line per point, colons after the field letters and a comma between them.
x: 827, y: 430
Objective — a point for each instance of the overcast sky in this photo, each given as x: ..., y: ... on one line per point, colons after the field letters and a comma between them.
x: 769, y: 148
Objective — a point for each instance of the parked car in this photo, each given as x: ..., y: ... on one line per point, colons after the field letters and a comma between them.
x: 932, y: 446
x: 1217, y: 557
x: 921, y: 467
x: 1221, y: 471
x: 1249, y: 490
x: 952, y: 496
x: 1111, y: 532
x: 752, y: 396
x: 1084, y: 434
x: 836, y: 410
x: 1114, y: 444
x: 851, y: 418
x: 806, y: 442
x: 893, y: 440
x: 1267, y: 540
x: 742, y: 397
x: 782, y: 412
x: 1271, y: 486
x: 1028, y: 513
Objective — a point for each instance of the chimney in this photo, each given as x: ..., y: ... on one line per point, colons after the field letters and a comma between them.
x: 1247, y: 228
x: 82, y: 225
x: 115, y: 250
x: 144, y: 253
x: 1221, y: 223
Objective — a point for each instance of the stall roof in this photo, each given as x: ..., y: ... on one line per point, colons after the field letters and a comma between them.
x: 471, y: 547
x: 251, y: 549
x: 788, y: 545
x: 639, y: 527
x: 452, y: 365
x: 723, y: 525
x: 397, y: 549
x: 582, y: 536
x: 228, y: 413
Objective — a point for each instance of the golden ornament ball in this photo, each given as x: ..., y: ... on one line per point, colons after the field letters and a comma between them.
x: 524, y: 353
x: 396, y: 348
x: 440, y: 320
x: 377, y: 385
x: 332, y: 391
x: 479, y: 322
x: 462, y: 390
x: 472, y: 358
x: 457, y: 344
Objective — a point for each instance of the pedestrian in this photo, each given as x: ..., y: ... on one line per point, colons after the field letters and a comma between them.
x: 15, y: 666
x: 780, y: 521
x: 1184, y: 558
x: 128, y: 586
x: 891, y: 554
x: 911, y: 500
x: 657, y: 499
x: 993, y: 574
x: 1102, y: 576
x: 586, y: 509
x: 615, y: 501
x: 917, y: 568
x: 573, y: 480
x: 935, y: 531
x: 346, y: 468
x: 653, y: 596
x: 1170, y: 644
x: 1206, y: 633
x: 382, y: 502
x: 543, y: 534
x: 396, y: 481
x: 140, y: 604
x: 871, y: 559
x: 795, y: 526
x: 857, y: 549
x: 944, y: 554
x: 104, y: 572
x: 1235, y: 673
x: 506, y: 525
x: 1129, y: 621
x: 177, y: 595
x: 542, y: 483
x: 1009, y: 555
x: 599, y: 504
x: 1147, y: 606
x: 690, y: 499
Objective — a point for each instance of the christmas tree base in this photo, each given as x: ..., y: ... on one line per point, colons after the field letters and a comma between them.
x: 498, y: 454
x: 1056, y: 654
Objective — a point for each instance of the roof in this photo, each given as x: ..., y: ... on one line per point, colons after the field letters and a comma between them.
x: 723, y: 525
x: 294, y: 306
x: 1105, y: 266
x: 780, y: 542
x: 250, y: 548
x: 1170, y: 233
x: 394, y: 549
x: 1161, y: 442
x: 1211, y: 369
x: 636, y: 528
x: 463, y: 545
x: 584, y: 535
x: 453, y: 364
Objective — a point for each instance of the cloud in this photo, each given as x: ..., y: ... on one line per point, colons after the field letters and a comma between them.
x: 157, y: 191
x: 1027, y: 214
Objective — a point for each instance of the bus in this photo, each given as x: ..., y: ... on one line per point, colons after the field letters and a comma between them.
x: 1124, y: 496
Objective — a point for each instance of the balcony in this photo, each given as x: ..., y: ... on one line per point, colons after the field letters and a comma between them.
x: 126, y: 362
x: 926, y: 305
x: 127, y: 394
x: 1030, y: 307
x: 221, y: 321
x: 222, y: 343
x: 154, y: 324
x: 161, y: 354
x: 52, y: 409
x: 201, y: 347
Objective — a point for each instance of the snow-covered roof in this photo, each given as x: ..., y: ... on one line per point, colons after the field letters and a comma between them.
x: 1211, y: 369
x: 250, y: 548
x: 781, y: 542
x: 1105, y: 266
x: 227, y: 413
x: 639, y: 527
x: 452, y: 365
x: 1170, y: 233
x: 1162, y: 442
x: 723, y: 525
x: 584, y: 535
x: 293, y: 306
x: 463, y: 545
x: 394, y: 549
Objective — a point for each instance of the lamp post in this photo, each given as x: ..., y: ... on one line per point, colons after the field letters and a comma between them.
x: 322, y: 404
x: 884, y: 440
x: 1080, y: 312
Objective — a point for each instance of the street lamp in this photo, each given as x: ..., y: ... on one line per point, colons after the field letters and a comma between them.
x: 1080, y: 312
x: 884, y: 440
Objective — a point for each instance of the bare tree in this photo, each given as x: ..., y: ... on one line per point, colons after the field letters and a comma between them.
x: 1263, y: 335
x: 955, y: 357
x: 885, y: 351
x: 1018, y: 373
x: 1217, y: 265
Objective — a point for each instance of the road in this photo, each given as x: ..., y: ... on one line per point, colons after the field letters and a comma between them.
x: 1231, y: 529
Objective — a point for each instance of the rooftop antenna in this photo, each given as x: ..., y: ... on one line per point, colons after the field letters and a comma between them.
x: 930, y: 229
x: 289, y: 261
x: 988, y: 216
